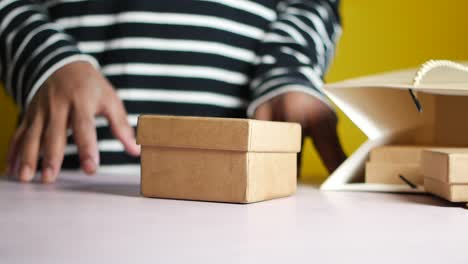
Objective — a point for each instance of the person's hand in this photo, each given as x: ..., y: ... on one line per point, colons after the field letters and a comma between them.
x: 70, y: 98
x: 316, y: 118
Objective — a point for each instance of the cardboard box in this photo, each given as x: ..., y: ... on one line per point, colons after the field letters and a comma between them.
x: 388, y: 163
x: 389, y: 173
x: 446, y: 173
x: 217, y: 159
x: 385, y: 107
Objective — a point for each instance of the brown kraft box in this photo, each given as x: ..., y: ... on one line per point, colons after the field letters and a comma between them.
x: 217, y: 159
x: 446, y: 173
x: 387, y: 164
x: 389, y: 173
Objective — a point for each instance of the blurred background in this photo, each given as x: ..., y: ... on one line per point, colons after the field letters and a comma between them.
x: 378, y: 35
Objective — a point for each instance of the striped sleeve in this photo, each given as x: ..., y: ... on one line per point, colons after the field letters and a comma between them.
x: 31, y: 48
x: 295, y: 53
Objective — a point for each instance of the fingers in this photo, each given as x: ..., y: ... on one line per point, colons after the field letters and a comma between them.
x: 54, y: 141
x: 299, y: 164
x: 115, y: 112
x: 321, y: 126
x: 84, y: 134
x: 326, y: 141
x: 317, y: 120
x: 264, y: 112
x: 29, y: 150
x: 299, y: 160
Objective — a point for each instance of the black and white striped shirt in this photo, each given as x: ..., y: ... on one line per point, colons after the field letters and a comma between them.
x: 178, y: 57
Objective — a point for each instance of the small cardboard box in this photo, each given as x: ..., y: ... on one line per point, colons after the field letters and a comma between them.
x: 391, y: 110
x: 387, y: 164
x: 389, y: 173
x: 446, y: 173
x: 217, y: 159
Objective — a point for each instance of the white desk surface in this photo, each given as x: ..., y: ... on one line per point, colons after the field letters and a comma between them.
x: 103, y: 219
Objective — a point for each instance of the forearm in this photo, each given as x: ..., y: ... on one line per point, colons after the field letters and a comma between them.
x: 296, y: 52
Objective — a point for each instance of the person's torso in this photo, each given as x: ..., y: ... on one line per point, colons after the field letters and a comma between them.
x: 175, y: 57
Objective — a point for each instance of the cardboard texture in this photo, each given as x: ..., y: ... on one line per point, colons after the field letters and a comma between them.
x: 387, y: 163
x: 383, y: 108
x: 452, y: 193
x: 217, y: 159
x: 445, y: 173
x: 389, y: 173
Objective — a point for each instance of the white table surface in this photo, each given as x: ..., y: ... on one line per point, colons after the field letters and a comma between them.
x: 103, y: 219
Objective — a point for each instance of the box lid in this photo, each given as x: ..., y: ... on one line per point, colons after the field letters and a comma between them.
x: 448, y: 165
x: 218, y: 133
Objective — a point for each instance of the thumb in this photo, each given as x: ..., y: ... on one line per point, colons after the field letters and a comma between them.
x: 116, y: 114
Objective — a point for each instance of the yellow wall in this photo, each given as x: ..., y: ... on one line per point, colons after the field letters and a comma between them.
x: 378, y: 35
